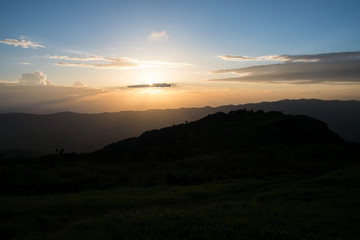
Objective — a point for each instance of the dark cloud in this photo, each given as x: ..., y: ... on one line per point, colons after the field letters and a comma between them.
x: 154, y: 85
x: 316, y: 68
x: 323, y: 57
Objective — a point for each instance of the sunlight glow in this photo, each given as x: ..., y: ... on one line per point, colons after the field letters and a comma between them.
x: 151, y: 76
x: 151, y: 90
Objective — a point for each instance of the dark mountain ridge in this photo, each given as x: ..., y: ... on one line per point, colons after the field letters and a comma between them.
x: 341, y: 116
x: 89, y: 132
x: 221, y: 131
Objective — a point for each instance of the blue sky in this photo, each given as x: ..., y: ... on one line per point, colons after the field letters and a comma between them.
x: 178, y: 42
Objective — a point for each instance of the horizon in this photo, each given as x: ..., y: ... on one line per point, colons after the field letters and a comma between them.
x: 184, y: 108
x: 113, y: 56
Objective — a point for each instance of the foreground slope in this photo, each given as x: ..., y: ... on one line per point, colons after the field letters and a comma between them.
x: 220, y: 146
x: 241, y: 175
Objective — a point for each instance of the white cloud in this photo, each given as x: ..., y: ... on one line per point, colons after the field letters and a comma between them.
x: 236, y: 58
x: 33, y: 79
x: 101, y: 62
x: 21, y: 43
x: 89, y: 58
x: 157, y: 36
x: 109, y: 64
x: 7, y: 83
x: 282, y: 58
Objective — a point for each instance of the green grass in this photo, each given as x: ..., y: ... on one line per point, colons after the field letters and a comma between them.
x: 288, y: 207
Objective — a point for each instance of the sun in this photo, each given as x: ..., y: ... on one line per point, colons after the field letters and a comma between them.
x: 151, y: 81
x: 150, y: 77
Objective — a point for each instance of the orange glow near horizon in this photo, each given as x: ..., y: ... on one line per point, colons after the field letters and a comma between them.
x: 92, y: 100
x: 139, y: 99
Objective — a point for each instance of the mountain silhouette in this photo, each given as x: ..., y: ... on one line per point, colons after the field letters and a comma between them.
x: 232, y: 145
x: 255, y: 167
x: 241, y: 129
x: 341, y: 116
x: 75, y: 132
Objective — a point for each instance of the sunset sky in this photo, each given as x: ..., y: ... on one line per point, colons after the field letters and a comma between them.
x: 97, y: 56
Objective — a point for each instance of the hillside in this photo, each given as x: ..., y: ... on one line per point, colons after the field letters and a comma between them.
x: 236, y: 175
x: 84, y: 132
x: 223, y: 132
x: 76, y: 132
x: 220, y: 146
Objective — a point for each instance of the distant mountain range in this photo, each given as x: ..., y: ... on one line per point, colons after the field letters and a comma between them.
x: 75, y: 132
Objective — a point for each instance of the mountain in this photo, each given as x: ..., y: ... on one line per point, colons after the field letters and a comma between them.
x: 238, y: 175
x: 341, y: 116
x: 75, y: 132
x: 220, y: 146
x: 247, y: 142
x: 241, y: 129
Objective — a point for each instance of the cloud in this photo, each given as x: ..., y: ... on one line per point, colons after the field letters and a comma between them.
x: 7, y: 83
x: 237, y: 58
x: 21, y: 43
x: 154, y: 85
x: 89, y: 58
x: 78, y: 84
x: 121, y: 63
x: 283, y: 58
x: 341, y: 68
x: 261, y: 58
x: 29, y: 79
x: 33, y: 79
x: 157, y: 36
x: 49, y: 99
x: 297, y: 58
x: 101, y: 62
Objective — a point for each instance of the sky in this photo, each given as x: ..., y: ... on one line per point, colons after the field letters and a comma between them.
x: 106, y: 56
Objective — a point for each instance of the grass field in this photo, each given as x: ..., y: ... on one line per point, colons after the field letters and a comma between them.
x: 288, y: 207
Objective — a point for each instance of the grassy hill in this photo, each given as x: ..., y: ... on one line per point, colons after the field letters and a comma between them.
x: 240, y: 175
